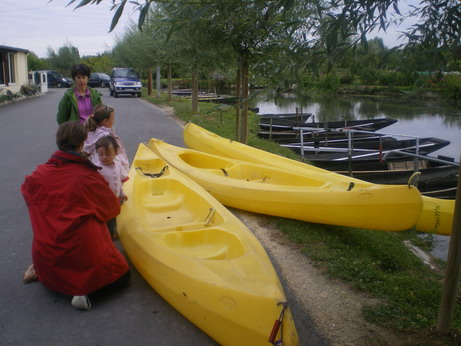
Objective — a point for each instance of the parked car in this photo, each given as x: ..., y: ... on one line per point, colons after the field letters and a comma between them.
x: 98, y: 79
x: 57, y: 80
x: 124, y: 81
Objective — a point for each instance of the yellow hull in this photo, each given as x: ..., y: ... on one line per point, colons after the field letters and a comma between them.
x: 199, y: 257
x: 436, y: 215
x: 269, y: 190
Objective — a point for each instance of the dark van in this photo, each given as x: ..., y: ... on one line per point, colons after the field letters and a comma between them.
x: 57, y: 80
x: 124, y: 81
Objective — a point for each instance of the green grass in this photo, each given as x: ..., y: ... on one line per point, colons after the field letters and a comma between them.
x: 377, y: 263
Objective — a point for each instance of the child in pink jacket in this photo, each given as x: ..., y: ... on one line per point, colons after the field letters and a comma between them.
x: 100, y: 124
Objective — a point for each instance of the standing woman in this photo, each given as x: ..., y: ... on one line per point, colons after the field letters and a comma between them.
x: 78, y: 102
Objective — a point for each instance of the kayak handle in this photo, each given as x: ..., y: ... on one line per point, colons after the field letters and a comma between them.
x: 414, y: 179
x: 209, y: 216
x: 153, y: 175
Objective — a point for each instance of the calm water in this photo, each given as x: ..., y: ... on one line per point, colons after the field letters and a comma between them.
x: 423, y: 119
x: 428, y: 119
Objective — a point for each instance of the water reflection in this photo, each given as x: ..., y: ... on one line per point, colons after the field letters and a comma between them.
x: 415, y: 118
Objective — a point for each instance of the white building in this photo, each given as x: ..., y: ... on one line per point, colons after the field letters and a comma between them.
x: 13, y: 68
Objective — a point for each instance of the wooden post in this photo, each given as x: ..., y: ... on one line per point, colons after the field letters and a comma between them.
x: 194, y: 90
x: 453, y: 266
x: 170, y: 83
x: 237, y: 109
x: 245, y: 102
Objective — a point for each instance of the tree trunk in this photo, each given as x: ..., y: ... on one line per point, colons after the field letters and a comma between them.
x: 158, y: 87
x: 450, y: 289
x: 194, y: 90
x: 245, y: 99
x: 170, y: 83
x: 149, y: 80
x: 238, y: 83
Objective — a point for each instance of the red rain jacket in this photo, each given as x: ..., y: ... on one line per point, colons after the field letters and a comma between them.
x: 69, y: 204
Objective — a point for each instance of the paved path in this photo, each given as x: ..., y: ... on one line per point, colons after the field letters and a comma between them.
x: 32, y: 315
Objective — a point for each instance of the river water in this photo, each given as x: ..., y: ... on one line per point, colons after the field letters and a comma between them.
x: 422, y: 119
x: 415, y: 118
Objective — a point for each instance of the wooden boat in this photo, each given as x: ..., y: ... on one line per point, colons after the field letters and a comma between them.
x: 437, y: 179
x: 362, y: 124
x: 199, y: 257
x: 366, y: 150
x: 319, y: 131
x: 376, y: 142
x: 198, y: 138
x: 275, y: 191
x: 284, y: 120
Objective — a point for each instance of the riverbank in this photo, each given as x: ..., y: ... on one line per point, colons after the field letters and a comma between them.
x: 375, y: 264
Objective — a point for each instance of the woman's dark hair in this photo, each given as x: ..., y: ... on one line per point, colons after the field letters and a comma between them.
x: 82, y: 69
x: 100, y: 112
x: 71, y: 135
x: 106, y: 142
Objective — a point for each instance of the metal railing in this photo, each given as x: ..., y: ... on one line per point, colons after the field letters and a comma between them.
x: 384, y: 154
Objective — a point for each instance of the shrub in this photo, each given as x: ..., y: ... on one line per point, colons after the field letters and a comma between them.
x: 452, y: 90
x: 329, y: 82
x: 29, y: 90
x: 369, y: 75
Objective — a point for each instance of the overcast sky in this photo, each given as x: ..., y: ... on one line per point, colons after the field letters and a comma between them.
x: 38, y: 24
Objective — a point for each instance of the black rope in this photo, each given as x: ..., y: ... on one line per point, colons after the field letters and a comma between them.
x: 153, y: 175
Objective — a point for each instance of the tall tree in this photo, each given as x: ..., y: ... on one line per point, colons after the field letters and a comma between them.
x: 64, y: 58
x: 35, y: 63
x: 99, y: 63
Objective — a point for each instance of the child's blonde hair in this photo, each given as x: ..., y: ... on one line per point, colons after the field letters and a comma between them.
x: 100, y: 112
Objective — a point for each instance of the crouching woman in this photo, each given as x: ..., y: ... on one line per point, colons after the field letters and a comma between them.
x: 69, y: 205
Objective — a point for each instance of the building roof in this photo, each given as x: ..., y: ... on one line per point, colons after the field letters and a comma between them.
x: 14, y: 49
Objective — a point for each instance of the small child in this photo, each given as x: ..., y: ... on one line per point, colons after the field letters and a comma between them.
x: 106, y: 150
x: 100, y: 124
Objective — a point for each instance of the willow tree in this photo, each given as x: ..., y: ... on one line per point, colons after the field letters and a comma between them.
x: 321, y: 34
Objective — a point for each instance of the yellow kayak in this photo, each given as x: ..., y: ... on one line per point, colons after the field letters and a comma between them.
x: 273, y: 191
x: 436, y: 214
x: 200, y: 258
x: 198, y: 138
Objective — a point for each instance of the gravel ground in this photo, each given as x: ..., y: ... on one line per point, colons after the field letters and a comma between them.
x: 333, y: 306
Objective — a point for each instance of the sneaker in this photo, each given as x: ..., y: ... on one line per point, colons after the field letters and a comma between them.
x: 30, y: 275
x: 81, y: 302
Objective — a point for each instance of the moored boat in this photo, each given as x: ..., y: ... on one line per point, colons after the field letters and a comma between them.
x: 274, y: 191
x: 199, y: 257
x: 198, y: 138
x: 362, y: 124
x: 331, y: 156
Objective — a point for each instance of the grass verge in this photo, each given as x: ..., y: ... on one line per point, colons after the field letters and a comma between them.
x: 374, y: 262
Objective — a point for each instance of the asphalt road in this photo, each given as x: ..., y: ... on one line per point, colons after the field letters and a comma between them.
x: 32, y: 315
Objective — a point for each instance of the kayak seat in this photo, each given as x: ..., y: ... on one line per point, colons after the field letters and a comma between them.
x: 164, y: 202
x: 212, y: 244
